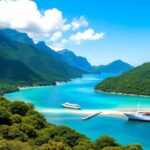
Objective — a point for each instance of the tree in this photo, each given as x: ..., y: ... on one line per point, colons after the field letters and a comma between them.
x: 29, y: 130
x: 16, y: 133
x: 53, y: 145
x: 16, y: 118
x: 18, y: 107
x: 14, y: 145
x: 104, y: 141
x: 4, y: 117
x: 134, y: 147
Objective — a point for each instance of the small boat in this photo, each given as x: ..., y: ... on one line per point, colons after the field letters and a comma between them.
x: 71, y: 106
x: 138, y: 116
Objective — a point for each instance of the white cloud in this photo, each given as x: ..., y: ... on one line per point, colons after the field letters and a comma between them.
x: 24, y: 15
x: 49, y: 25
x: 56, y: 36
x: 77, y: 23
x: 59, y: 45
x: 87, y: 35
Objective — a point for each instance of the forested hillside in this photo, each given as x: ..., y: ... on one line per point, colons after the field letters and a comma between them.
x: 24, y: 128
x: 136, y: 81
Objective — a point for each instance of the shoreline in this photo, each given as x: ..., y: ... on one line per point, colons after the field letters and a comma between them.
x: 123, y: 94
x: 104, y: 112
x: 42, y: 86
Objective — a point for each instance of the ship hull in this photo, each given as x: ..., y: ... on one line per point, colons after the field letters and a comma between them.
x: 70, y: 107
x: 137, y: 117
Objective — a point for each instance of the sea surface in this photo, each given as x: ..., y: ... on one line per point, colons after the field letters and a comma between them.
x: 48, y: 101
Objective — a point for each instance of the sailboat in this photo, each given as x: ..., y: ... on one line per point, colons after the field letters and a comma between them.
x: 138, y: 115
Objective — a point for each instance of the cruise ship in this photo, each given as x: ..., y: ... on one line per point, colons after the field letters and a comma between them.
x: 71, y: 106
x: 138, y: 116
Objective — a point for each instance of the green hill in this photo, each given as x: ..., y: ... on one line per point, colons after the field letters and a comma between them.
x: 24, y: 128
x: 136, y: 81
x: 23, y: 64
x: 38, y: 60
x: 14, y: 73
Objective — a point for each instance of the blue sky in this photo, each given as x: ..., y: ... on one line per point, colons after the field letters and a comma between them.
x: 126, y: 24
x: 101, y: 30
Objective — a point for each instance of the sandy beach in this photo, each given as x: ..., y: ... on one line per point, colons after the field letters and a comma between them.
x: 115, y: 113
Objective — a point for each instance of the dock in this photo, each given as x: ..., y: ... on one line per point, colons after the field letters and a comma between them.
x: 90, y: 116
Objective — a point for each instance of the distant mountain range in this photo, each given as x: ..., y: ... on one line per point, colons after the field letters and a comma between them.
x: 23, y: 63
x: 82, y: 63
x: 135, y: 81
x: 76, y: 61
x: 117, y: 66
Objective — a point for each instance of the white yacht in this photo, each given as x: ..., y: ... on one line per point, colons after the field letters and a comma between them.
x: 71, y: 106
x: 138, y: 116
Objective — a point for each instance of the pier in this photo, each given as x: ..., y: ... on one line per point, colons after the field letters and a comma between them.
x: 90, y: 116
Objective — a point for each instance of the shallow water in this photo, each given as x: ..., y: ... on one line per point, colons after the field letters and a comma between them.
x: 48, y: 100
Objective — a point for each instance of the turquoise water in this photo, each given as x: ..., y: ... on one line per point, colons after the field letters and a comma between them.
x: 48, y: 100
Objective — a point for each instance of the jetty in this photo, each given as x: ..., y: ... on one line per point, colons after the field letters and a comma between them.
x: 90, y: 116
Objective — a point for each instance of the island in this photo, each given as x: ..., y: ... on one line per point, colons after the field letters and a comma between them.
x: 133, y: 82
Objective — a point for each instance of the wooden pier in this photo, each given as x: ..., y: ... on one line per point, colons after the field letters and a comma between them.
x: 90, y: 116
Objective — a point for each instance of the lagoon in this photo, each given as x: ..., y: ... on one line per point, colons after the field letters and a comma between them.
x: 48, y: 100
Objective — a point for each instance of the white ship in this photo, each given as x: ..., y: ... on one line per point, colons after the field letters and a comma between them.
x: 138, y: 116
x: 71, y: 106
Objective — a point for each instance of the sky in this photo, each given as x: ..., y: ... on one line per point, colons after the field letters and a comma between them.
x: 100, y: 30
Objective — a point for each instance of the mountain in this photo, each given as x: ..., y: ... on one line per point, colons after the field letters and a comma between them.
x: 38, y: 60
x: 42, y: 46
x: 76, y: 61
x: 16, y: 36
x: 117, y: 66
x: 13, y: 71
x: 135, y: 81
x: 32, y: 64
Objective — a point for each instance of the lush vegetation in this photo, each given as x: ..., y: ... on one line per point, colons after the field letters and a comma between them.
x: 24, y: 128
x: 23, y: 64
x: 136, y: 81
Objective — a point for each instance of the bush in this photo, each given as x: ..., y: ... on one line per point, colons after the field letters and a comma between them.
x: 15, y: 133
x: 4, y: 131
x: 29, y: 130
x: 16, y: 118
x: 52, y: 145
x: 4, y: 117
x: 18, y: 107
x: 41, y: 140
x: 134, y: 147
x: 104, y: 141
x: 14, y: 145
x: 34, y: 121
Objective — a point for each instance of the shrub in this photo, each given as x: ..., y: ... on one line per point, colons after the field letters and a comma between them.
x: 4, y: 117
x: 104, y: 141
x: 18, y: 107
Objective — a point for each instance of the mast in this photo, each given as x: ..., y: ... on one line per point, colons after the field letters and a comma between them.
x: 138, y: 107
